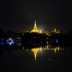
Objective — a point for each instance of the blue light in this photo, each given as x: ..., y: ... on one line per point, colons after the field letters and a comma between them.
x: 10, y: 41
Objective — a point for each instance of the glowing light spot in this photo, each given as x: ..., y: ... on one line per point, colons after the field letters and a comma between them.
x: 40, y: 31
x: 10, y: 41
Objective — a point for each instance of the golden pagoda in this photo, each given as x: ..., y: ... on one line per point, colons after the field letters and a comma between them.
x: 35, y: 29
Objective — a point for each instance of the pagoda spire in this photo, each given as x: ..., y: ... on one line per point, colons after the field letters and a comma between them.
x: 35, y: 24
x: 35, y: 29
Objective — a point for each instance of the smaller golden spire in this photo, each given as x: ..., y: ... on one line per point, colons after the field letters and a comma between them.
x: 35, y: 24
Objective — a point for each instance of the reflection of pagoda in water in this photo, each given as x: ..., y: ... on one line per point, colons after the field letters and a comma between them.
x: 35, y: 29
x: 36, y: 50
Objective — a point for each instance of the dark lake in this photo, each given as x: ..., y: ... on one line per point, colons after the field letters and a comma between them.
x: 39, y: 58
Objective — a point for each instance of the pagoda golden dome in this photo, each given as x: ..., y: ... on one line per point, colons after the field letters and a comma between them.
x: 35, y: 29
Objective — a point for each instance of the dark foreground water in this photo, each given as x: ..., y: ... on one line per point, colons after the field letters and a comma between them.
x: 36, y: 59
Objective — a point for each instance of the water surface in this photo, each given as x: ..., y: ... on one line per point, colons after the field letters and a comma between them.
x: 42, y: 58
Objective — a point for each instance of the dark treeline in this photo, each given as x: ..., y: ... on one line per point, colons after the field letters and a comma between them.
x: 36, y: 38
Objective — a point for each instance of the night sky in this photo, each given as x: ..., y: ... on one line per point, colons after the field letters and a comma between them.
x: 20, y: 15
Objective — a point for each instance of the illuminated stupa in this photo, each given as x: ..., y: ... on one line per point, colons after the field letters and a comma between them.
x: 35, y: 29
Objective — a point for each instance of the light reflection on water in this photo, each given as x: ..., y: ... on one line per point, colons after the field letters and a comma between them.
x: 49, y: 56
x: 36, y: 50
x: 18, y: 56
x: 41, y: 49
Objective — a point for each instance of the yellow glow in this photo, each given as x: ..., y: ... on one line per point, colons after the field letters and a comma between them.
x: 58, y: 48
x: 26, y: 31
x: 47, y: 47
x: 55, y: 50
x: 35, y: 29
x: 40, y: 31
x: 56, y: 31
x: 35, y: 51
